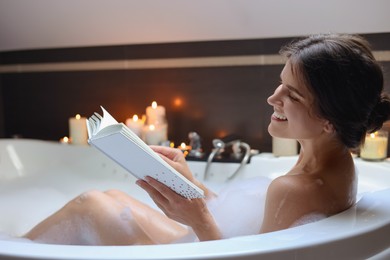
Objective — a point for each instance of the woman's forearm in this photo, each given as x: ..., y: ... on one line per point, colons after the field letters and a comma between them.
x: 207, y: 229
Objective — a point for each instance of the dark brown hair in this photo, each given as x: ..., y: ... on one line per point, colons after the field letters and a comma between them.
x: 345, y: 80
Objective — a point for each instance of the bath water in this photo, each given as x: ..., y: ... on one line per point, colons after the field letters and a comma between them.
x: 25, y: 201
x: 28, y: 200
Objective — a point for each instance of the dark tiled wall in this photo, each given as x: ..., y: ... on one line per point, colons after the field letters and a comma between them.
x: 215, y: 100
x: 2, y: 126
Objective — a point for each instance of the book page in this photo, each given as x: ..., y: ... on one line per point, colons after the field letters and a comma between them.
x: 106, y: 120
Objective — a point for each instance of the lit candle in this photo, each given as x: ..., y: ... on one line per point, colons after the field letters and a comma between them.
x: 154, y: 135
x: 135, y: 124
x: 284, y: 147
x: 375, y: 146
x: 64, y: 140
x: 78, y: 130
x: 184, y: 148
x: 155, y: 114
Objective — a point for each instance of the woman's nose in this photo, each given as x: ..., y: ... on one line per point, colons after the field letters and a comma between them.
x: 274, y: 99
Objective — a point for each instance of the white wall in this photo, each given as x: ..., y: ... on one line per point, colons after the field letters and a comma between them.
x: 27, y: 24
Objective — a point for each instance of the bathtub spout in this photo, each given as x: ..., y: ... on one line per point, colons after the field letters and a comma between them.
x: 219, y: 147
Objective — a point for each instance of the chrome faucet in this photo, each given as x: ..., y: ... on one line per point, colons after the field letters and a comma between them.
x: 219, y: 147
x: 196, y: 146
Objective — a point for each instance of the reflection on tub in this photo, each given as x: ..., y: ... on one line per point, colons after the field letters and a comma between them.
x: 49, y: 174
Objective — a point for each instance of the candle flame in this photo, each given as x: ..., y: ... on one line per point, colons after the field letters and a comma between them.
x: 372, y: 135
x: 135, y: 118
x: 78, y: 116
x: 65, y: 140
x: 154, y: 104
x: 184, y: 148
x: 152, y: 127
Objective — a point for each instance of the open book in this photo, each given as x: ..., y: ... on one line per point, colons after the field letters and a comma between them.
x: 123, y: 146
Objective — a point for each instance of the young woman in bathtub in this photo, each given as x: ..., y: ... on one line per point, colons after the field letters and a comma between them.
x: 330, y: 95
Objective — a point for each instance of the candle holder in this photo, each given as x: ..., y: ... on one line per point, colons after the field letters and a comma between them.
x: 375, y: 146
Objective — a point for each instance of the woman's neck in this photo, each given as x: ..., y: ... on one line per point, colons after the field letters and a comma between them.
x: 315, y: 156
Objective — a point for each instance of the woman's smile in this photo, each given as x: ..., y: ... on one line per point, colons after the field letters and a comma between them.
x: 278, y: 116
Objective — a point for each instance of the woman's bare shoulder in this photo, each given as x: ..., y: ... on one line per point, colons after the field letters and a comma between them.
x: 289, y: 197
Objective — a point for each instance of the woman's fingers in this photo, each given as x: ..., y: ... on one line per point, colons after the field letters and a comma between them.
x: 169, y: 154
x: 162, y: 189
x: 175, y: 158
x: 165, y: 198
x: 161, y: 194
x: 157, y: 197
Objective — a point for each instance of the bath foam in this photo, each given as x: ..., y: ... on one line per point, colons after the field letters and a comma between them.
x: 30, y: 204
x: 239, y: 207
x: 126, y: 215
x: 309, y: 218
x: 72, y: 231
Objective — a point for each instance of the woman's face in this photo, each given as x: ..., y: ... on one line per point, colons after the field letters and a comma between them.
x: 294, y: 116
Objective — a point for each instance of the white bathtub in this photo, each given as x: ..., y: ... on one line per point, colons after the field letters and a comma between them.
x: 49, y: 174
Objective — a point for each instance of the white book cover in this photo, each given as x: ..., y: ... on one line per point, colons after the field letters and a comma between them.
x: 123, y: 146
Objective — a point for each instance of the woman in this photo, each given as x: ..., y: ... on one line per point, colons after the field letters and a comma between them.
x: 330, y: 95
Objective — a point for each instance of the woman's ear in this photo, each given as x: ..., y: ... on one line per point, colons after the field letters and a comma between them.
x: 328, y: 127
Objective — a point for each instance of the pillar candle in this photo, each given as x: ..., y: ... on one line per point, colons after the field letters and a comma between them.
x: 135, y: 124
x: 375, y: 146
x: 154, y: 135
x: 284, y: 147
x: 155, y: 114
x: 78, y: 130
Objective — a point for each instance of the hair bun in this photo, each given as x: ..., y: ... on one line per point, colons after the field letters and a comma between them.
x: 379, y: 114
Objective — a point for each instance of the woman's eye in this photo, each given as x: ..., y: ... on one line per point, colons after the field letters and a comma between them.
x: 292, y: 97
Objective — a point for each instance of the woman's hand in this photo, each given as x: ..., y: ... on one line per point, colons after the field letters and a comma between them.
x: 175, y: 158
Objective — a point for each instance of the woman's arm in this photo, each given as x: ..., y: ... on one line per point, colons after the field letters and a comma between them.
x: 191, y: 212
